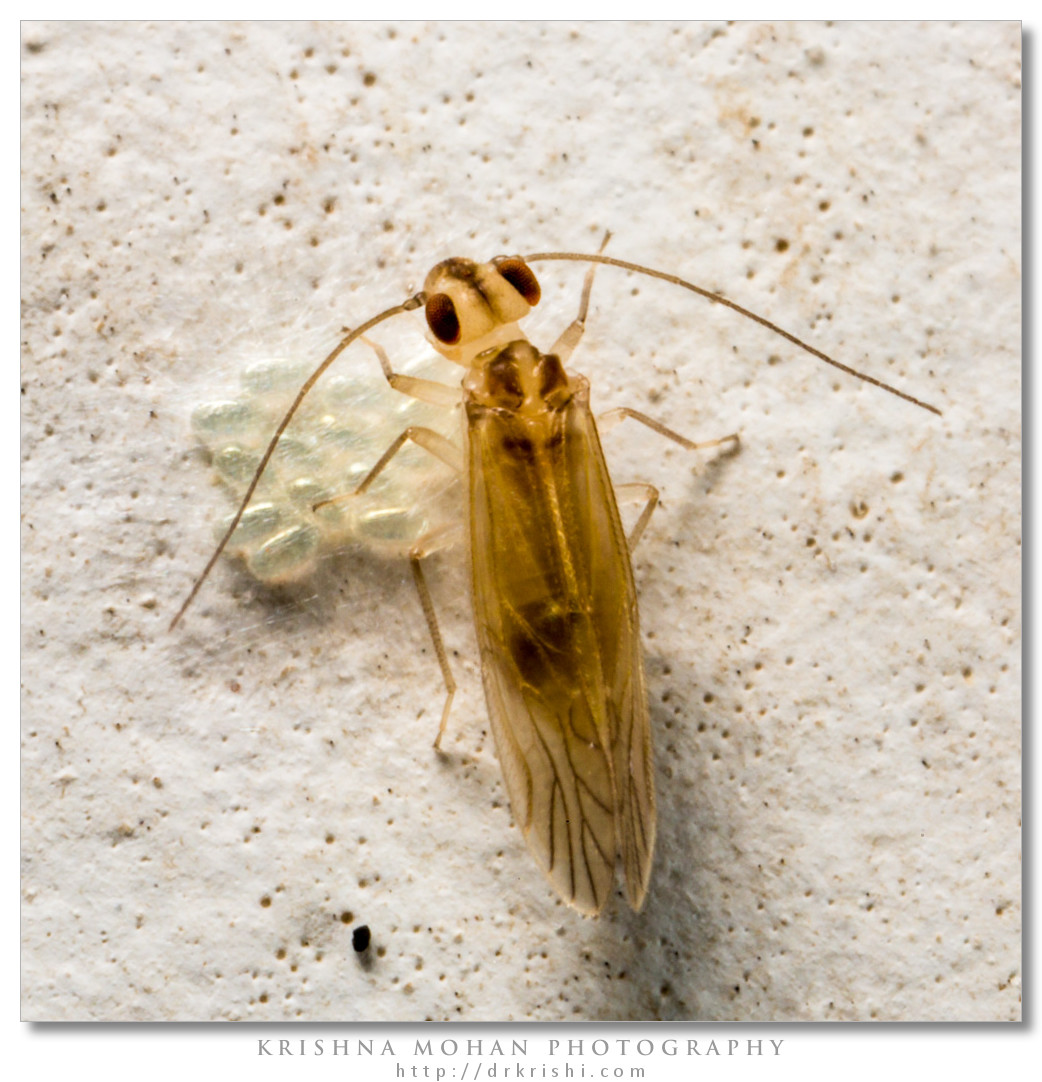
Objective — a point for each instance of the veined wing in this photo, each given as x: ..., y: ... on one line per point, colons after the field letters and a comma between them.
x: 556, y: 618
x: 558, y: 776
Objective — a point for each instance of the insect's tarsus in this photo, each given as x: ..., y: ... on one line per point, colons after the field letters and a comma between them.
x: 637, y: 268
x: 416, y: 301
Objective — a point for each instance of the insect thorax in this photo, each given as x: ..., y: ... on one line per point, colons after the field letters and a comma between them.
x: 518, y: 378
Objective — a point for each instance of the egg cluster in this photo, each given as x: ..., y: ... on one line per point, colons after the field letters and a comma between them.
x: 339, y: 433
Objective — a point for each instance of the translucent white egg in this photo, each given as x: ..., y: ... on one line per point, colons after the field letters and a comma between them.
x: 339, y: 433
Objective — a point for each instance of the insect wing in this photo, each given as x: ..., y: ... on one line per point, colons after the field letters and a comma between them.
x: 617, y: 624
x: 634, y: 771
x: 556, y: 619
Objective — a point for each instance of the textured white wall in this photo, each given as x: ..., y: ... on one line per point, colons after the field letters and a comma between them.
x: 831, y: 616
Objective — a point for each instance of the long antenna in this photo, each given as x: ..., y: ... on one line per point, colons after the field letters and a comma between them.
x: 577, y: 257
x: 410, y: 305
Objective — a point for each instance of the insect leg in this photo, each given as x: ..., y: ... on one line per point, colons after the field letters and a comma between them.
x: 565, y: 345
x: 426, y: 390
x: 445, y: 450
x: 426, y: 545
x: 610, y: 419
x: 638, y: 490
x: 434, y: 442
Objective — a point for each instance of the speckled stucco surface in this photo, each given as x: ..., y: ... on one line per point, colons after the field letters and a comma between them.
x: 831, y: 616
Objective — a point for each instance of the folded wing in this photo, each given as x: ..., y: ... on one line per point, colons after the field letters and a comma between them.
x: 557, y: 624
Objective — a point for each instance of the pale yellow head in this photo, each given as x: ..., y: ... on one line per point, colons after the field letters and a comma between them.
x: 472, y: 307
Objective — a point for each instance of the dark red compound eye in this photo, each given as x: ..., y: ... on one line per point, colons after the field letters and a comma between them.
x: 442, y: 318
x: 518, y: 273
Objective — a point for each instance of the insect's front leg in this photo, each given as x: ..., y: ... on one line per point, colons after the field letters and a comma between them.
x: 426, y: 390
x: 565, y: 345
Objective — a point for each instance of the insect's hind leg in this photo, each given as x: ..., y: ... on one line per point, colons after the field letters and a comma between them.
x: 425, y: 546
x: 445, y: 450
x: 565, y: 345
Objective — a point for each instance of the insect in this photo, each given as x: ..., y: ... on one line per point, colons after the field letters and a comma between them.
x: 552, y: 586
